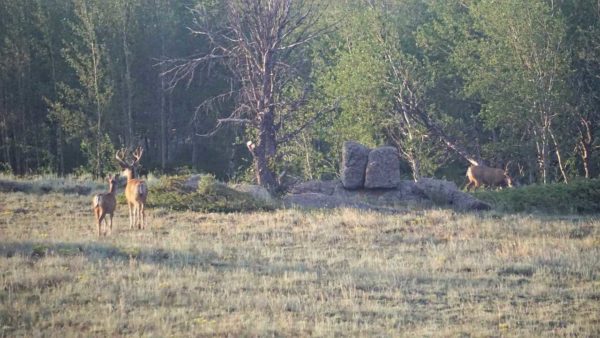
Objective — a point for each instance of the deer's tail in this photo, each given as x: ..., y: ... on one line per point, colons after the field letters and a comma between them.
x: 97, y: 201
x: 142, y: 189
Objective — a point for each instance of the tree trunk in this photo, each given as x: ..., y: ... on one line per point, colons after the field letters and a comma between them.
x: 585, y: 157
x: 128, y: 85
x: 264, y: 175
x: 416, y: 168
x: 265, y: 150
x: 585, y: 144
x: 542, y: 153
x: 163, y: 99
x: 450, y: 143
x: 60, y: 151
x: 558, y: 156
x: 163, y: 122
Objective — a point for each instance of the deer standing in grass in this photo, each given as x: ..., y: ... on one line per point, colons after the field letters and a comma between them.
x: 105, y: 204
x: 136, y: 190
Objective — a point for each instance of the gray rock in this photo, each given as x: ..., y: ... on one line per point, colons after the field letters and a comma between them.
x: 256, y: 191
x: 354, y: 163
x: 323, y: 187
x: 446, y: 193
x: 407, y: 194
x: 383, y: 168
x: 313, y: 200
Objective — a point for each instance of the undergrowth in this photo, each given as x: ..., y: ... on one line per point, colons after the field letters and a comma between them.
x: 208, y: 195
x: 49, y: 184
x: 580, y: 196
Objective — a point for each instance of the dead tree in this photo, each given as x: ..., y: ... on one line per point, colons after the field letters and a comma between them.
x: 411, y: 112
x: 256, y: 41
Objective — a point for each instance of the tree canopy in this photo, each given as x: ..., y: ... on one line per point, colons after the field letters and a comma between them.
x: 508, y: 83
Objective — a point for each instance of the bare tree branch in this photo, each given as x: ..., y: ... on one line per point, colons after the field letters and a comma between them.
x: 254, y: 41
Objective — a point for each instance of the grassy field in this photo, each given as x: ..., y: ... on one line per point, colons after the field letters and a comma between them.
x: 295, y: 273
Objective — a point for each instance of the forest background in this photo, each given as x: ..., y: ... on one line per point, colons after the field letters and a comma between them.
x: 515, y: 83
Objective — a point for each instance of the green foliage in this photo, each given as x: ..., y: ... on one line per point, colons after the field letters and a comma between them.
x: 509, y: 80
x: 208, y: 196
x: 580, y: 196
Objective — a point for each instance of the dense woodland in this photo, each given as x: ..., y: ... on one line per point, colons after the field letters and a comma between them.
x: 513, y: 84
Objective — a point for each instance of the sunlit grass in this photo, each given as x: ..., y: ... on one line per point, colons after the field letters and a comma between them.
x: 295, y: 273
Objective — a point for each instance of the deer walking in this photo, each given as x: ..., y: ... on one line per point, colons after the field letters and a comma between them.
x: 105, y: 204
x: 136, y: 190
x: 480, y: 175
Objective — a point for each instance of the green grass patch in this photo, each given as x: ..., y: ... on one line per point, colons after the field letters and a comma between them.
x: 208, y: 195
x: 580, y: 196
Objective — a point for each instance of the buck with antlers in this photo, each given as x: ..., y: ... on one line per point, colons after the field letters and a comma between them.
x: 136, y: 190
x: 105, y: 204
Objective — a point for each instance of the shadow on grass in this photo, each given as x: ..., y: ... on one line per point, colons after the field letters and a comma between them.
x: 177, y: 259
x: 98, y: 251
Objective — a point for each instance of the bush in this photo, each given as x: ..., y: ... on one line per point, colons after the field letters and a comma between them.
x: 580, y: 196
x: 208, y: 195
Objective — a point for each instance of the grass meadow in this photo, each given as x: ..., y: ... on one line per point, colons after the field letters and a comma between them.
x: 429, y: 272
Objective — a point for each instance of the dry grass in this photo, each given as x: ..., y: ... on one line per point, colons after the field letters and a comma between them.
x: 294, y: 273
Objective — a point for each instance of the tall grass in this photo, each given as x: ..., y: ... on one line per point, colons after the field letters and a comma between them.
x: 294, y: 273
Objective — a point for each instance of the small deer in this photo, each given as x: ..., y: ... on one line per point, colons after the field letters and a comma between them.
x: 136, y: 190
x: 105, y: 204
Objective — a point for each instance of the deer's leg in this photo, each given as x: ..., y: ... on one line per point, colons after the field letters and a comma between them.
x: 143, y: 216
x: 105, y: 225
x: 97, y: 216
x: 100, y: 219
x: 134, y: 213
x: 137, y: 214
x: 130, y: 215
x: 110, y: 229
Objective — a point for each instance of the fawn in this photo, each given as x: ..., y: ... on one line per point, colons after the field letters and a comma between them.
x: 104, y: 204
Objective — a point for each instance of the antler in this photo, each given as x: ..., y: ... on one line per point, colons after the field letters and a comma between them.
x: 137, y: 154
x: 506, y: 166
x: 120, y: 156
x: 122, y: 153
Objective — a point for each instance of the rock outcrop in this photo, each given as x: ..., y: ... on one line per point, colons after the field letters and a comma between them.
x: 426, y: 192
x: 383, y: 168
x: 354, y: 164
x: 370, y: 179
x: 443, y: 192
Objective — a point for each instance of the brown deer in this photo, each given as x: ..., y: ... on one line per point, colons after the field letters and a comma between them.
x: 480, y: 175
x: 136, y: 190
x: 105, y: 204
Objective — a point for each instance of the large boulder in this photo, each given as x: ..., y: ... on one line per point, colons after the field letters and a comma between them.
x: 443, y: 192
x: 354, y: 163
x: 383, y: 168
x: 425, y: 192
x: 256, y: 191
x: 314, y: 200
x: 322, y: 187
x: 331, y: 194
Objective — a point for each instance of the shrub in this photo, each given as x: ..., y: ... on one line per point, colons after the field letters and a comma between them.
x: 209, y: 195
x: 579, y: 196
